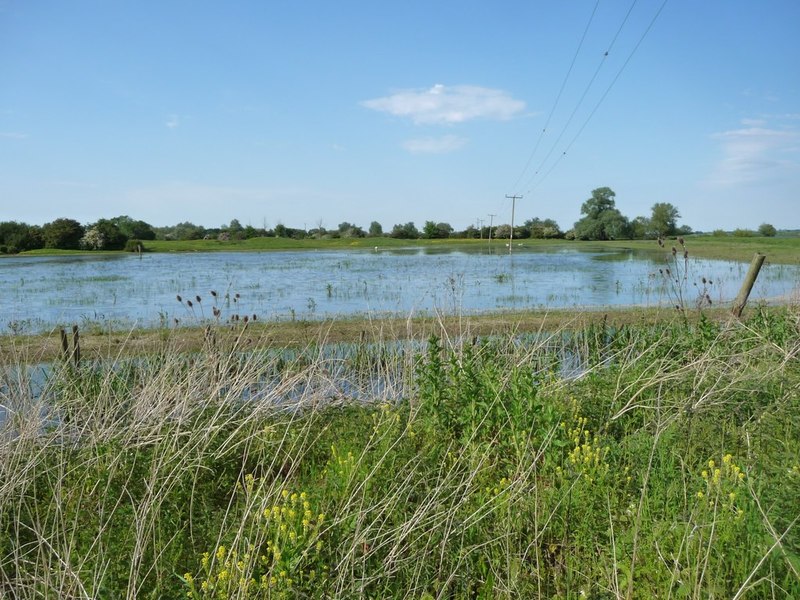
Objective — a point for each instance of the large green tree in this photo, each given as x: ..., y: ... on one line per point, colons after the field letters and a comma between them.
x: 18, y: 237
x: 63, y: 234
x: 664, y: 219
x: 433, y: 230
x: 406, y: 231
x: 542, y: 228
x: 134, y: 229
x: 105, y: 235
x: 767, y: 230
x: 375, y: 229
x: 602, y: 220
x: 188, y: 231
x: 348, y: 230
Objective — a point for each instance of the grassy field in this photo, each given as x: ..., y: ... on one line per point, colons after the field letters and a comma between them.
x: 785, y: 250
x: 779, y: 250
x: 101, y: 343
x: 642, y: 460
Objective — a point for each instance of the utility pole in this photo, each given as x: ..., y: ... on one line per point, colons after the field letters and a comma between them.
x: 513, y: 206
x: 480, y: 228
x: 491, y: 220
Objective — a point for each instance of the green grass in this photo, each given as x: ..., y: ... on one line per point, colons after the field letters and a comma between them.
x: 636, y: 461
x: 274, y: 243
x: 778, y: 249
x: 104, y: 341
x: 784, y: 250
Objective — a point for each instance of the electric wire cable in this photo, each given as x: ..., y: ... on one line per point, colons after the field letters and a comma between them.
x: 558, y: 97
x: 603, y: 97
x: 586, y: 90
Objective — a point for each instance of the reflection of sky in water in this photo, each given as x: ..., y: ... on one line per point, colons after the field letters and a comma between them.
x: 40, y: 292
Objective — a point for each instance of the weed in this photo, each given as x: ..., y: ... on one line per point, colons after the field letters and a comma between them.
x: 664, y: 466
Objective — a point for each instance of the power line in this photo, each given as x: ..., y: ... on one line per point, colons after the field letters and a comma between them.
x: 589, y: 85
x: 558, y: 96
x: 603, y: 97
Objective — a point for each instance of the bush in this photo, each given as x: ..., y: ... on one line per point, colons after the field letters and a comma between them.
x: 767, y: 230
x: 135, y: 246
x: 743, y: 233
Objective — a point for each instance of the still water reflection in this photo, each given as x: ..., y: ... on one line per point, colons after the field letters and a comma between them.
x: 122, y: 290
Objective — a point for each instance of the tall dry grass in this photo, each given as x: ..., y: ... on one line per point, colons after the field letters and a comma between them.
x: 654, y: 460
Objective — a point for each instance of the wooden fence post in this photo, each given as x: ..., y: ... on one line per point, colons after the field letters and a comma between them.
x: 76, y: 346
x: 747, y: 285
x: 64, y: 344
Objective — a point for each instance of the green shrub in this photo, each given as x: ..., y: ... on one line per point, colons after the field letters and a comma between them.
x: 649, y: 460
x: 135, y: 246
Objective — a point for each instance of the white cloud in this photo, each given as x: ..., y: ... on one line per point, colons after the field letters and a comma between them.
x: 439, y: 145
x: 755, y: 153
x: 173, y: 122
x: 448, y: 104
x: 13, y: 135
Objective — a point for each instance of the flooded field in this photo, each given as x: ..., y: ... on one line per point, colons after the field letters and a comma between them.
x: 124, y: 290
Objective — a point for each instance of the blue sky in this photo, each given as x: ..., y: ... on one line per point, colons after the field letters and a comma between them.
x: 308, y: 113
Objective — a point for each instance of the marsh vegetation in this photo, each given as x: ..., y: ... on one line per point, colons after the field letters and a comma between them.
x: 120, y: 291
x: 609, y: 461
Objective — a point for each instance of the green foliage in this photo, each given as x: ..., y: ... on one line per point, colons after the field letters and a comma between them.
x: 280, y: 557
x: 663, y: 220
x: 19, y: 237
x: 767, y: 230
x: 181, y: 231
x: 134, y: 229
x: 103, y: 235
x: 135, y: 246
x: 348, y: 230
x: 62, y: 234
x: 546, y: 229
x: 652, y: 460
x: 407, y: 231
x: 640, y: 228
x: 743, y: 233
x: 602, y: 220
x: 434, y: 231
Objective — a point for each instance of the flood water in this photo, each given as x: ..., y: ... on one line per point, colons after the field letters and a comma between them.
x: 123, y: 290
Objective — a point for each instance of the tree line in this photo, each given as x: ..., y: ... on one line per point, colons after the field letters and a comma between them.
x: 600, y: 220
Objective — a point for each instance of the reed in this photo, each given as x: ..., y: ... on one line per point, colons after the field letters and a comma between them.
x: 649, y: 460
